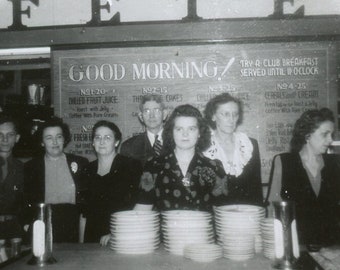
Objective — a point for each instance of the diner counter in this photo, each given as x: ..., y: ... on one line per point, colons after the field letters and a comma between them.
x: 93, y: 256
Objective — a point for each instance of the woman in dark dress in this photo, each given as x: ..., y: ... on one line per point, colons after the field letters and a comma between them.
x: 238, y: 153
x: 112, y: 182
x: 310, y: 177
x: 55, y: 178
x: 183, y: 178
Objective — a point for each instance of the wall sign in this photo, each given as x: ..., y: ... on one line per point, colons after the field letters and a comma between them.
x: 99, y: 6
x: 276, y: 83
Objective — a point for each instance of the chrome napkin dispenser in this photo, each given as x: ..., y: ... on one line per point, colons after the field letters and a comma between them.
x: 42, y: 236
x: 287, y: 249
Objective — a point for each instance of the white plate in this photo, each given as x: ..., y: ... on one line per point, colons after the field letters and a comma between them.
x: 211, y: 254
x: 134, y: 251
x: 187, y: 223
x: 203, y: 259
x: 133, y: 213
x: 188, y: 234
x: 135, y: 223
x: 134, y: 238
x: 238, y: 257
x: 134, y: 247
x: 187, y: 230
x: 239, y: 207
x: 134, y: 227
x: 185, y: 213
x: 188, y: 239
x: 205, y: 249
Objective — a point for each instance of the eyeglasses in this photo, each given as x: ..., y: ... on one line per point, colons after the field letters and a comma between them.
x: 106, y: 138
x: 7, y: 136
x: 229, y: 115
x: 156, y: 111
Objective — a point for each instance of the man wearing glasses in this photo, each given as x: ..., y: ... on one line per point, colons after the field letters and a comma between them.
x: 148, y: 144
x: 11, y: 180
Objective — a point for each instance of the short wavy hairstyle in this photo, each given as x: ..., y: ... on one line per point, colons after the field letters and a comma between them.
x: 6, y: 118
x: 151, y: 97
x: 212, y: 106
x: 110, y: 125
x: 186, y: 110
x: 54, y: 121
x: 308, y: 122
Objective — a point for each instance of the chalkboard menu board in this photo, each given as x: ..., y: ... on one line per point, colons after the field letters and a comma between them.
x: 275, y: 81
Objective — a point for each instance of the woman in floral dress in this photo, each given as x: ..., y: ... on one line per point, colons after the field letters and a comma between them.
x: 183, y: 178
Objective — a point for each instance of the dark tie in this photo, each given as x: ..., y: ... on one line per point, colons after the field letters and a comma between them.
x: 157, y: 146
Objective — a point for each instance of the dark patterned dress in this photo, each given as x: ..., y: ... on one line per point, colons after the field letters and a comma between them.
x: 164, y: 185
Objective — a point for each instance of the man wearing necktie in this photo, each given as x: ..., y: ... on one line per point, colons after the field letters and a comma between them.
x: 157, y: 146
x: 11, y: 180
x: 148, y: 144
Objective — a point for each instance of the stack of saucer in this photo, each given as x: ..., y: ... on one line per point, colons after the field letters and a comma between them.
x: 203, y: 252
x: 268, y: 238
x: 183, y: 227
x: 134, y: 232
x: 238, y: 247
x: 237, y: 223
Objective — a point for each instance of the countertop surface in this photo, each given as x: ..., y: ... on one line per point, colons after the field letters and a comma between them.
x: 93, y: 256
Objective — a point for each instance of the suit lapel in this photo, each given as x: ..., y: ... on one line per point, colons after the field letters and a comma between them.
x: 148, y: 150
x: 73, y: 168
x: 69, y: 161
x: 147, y: 145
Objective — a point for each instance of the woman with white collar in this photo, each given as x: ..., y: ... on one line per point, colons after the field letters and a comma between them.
x: 238, y: 153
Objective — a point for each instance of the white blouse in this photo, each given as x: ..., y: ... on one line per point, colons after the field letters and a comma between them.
x: 243, y: 151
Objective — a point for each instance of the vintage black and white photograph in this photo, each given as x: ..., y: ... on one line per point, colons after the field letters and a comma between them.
x: 170, y: 134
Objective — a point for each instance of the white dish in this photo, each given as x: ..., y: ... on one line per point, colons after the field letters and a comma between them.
x: 135, y: 245
x: 180, y: 213
x: 134, y: 251
x: 118, y: 237
x: 133, y: 213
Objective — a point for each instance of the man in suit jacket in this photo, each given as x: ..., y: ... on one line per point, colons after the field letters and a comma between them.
x: 152, y: 114
x: 11, y: 180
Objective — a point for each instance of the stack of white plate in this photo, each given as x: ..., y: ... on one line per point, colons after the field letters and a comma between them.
x: 237, y: 223
x: 183, y: 227
x: 134, y: 232
x: 268, y: 238
x: 203, y: 252
x: 238, y: 247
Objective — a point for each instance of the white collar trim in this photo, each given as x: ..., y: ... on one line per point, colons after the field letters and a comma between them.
x: 242, y: 153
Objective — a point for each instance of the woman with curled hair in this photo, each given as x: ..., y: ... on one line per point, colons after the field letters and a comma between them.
x: 55, y: 178
x: 308, y: 122
x: 112, y: 182
x: 183, y: 178
x: 310, y: 177
x: 203, y: 141
x: 238, y: 153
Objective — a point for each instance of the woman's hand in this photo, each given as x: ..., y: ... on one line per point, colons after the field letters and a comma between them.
x: 221, y: 186
x: 26, y: 227
x: 147, y: 182
x: 104, y: 240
